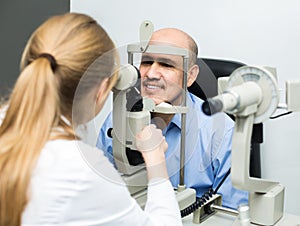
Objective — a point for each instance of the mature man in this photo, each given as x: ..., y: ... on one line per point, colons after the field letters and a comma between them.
x: 208, y: 139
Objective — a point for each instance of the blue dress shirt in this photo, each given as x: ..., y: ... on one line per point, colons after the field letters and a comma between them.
x: 208, y: 151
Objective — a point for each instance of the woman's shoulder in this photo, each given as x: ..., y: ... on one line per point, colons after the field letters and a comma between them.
x: 76, y: 158
x: 76, y: 180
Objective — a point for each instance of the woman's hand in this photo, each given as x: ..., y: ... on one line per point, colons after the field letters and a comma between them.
x: 152, y: 145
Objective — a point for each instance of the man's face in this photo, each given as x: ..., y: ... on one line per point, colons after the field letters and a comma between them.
x: 161, y: 77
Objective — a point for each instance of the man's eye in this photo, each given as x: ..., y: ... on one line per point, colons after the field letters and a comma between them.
x: 165, y: 64
x: 147, y: 62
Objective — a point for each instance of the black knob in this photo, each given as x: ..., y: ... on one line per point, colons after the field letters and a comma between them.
x: 109, y: 132
x: 212, y: 106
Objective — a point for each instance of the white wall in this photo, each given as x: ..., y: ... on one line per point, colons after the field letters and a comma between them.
x: 254, y: 32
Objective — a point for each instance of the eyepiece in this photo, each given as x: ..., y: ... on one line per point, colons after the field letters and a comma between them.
x: 212, y: 106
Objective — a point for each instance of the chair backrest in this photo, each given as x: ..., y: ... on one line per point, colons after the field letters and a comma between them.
x: 210, y: 70
x: 206, y: 86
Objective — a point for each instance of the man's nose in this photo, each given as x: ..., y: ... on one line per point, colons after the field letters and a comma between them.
x: 154, y: 71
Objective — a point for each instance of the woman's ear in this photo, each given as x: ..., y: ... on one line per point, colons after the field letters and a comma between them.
x: 102, y: 92
x: 192, y: 75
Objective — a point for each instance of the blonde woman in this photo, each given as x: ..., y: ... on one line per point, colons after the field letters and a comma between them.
x: 47, y: 175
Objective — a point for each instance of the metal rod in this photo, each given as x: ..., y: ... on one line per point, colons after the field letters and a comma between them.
x: 183, y: 121
x: 224, y: 210
x: 130, y: 58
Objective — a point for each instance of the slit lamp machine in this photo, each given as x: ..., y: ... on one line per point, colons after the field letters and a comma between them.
x: 251, y: 95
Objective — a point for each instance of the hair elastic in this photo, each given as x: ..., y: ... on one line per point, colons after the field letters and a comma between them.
x: 51, y: 60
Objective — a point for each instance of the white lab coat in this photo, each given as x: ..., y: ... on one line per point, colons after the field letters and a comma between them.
x: 74, y: 184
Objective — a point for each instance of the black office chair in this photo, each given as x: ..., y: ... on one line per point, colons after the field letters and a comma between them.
x: 206, y: 86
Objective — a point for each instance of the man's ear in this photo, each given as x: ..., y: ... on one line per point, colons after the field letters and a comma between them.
x: 192, y: 75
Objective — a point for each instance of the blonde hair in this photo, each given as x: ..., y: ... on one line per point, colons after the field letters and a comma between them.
x: 42, y: 95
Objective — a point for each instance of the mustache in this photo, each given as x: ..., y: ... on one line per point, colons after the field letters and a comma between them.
x: 153, y: 82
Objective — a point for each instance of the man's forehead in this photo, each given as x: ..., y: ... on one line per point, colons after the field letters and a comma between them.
x: 158, y: 40
x: 163, y: 58
x: 162, y: 43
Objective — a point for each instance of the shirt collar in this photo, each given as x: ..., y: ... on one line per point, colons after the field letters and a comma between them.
x: 176, y: 120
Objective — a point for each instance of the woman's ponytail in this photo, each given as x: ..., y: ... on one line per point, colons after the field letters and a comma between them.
x: 32, y: 111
